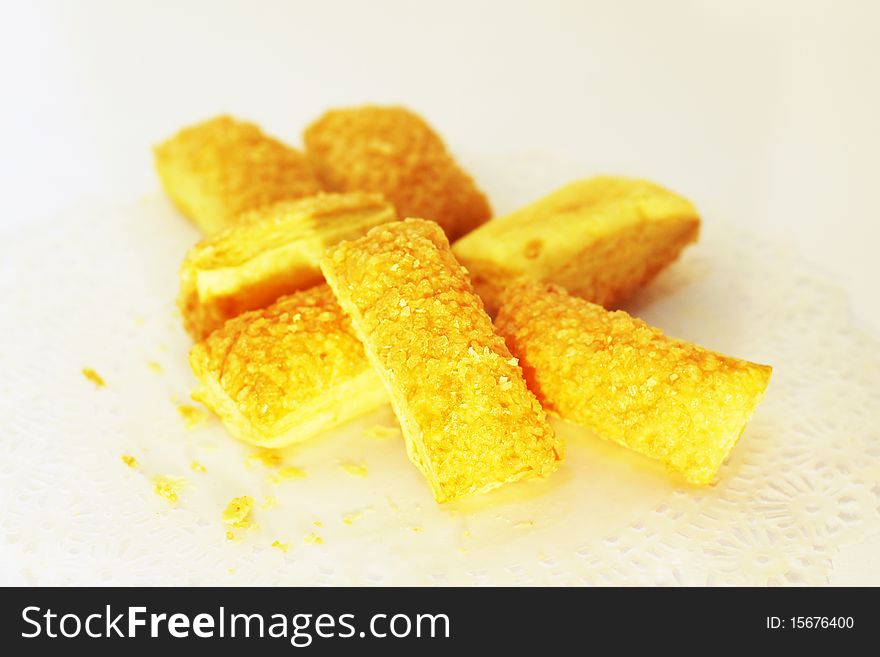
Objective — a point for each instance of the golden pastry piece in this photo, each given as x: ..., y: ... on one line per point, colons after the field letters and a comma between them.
x: 468, y: 419
x: 395, y: 152
x: 667, y: 399
x: 217, y: 169
x: 282, y: 374
x: 601, y: 239
x: 269, y: 252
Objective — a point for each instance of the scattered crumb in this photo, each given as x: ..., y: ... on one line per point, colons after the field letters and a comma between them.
x: 238, y: 512
x: 318, y: 523
x: 230, y: 536
x: 168, y: 487
x: 462, y: 550
x: 94, y: 377
x: 284, y: 547
x: 351, y: 517
x: 192, y: 415
x: 381, y: 432
x: 129, y: 460
x: 466, y: 533
x: 155, y: 366
x: 524, y: 524
x: 267, y: 457
x: 355, y: 469
x: 286, y: 472
x: 269, y: 502
x: 196, y: 466
x: 418, y: 530
x: 313, y: 539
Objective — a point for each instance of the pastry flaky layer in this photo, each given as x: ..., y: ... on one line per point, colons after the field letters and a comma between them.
x: 469, y: 421
x: 601, y: 239
x: 217, y: 169
x: 672, y: 401
x: 269, y: 252
x: 395, y: 152
x: 282, y: 374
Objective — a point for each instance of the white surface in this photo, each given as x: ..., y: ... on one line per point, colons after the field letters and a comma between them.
x: 763, y: 113
x: 800, y: 489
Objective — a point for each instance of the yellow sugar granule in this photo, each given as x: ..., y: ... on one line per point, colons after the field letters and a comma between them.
x: 238, y: 512
x: 355, y: 469
x: 196, y: 466
x: 284, y: 547
x: 94, y: 377
x: 313, y: 539
x: 192, y: 415
x: 168, y: 487
x: 129, y: 460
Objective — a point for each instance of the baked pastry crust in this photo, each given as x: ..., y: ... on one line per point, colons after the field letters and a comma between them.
x: 670, y: 400
x: 268, y: 253
x: 468, y: 419
x: 393, y: 151
x: 215, y: 170
x: 601, y: 239
x: 285, y: 373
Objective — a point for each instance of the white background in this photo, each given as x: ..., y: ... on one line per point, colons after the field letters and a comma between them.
x: 764, y: 113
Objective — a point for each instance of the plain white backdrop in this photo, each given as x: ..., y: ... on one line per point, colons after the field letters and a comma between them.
x: 764, y: 113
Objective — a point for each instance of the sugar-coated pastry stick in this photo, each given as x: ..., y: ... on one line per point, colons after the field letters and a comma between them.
x: 282, y: 374
x: 670, y: 400
x: 269, y: 252
x: 468, y: 419
x: 601, y: 239
x: 217, y: 169
x: 395, y: 152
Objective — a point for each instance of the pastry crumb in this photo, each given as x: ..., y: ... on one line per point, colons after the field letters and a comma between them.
x: 129, y: 460
x: 192, y: 415
x: 268, y: 457
x: 196, y: 466
x: 94, y: 377
x: 154, y: 366
x: 168, y: 487
x: 418, y: 530
x: 238, y: 512
x: 381, y: 432
x: 284, y: 547
x: 313, y: 539
x: 286, y: 472
x: 524, y: 524
x: 355, y: 469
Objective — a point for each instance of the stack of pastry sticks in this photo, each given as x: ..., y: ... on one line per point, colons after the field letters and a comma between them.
x: 326, y: 286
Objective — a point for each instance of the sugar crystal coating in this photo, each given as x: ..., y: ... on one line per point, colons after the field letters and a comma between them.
x: 469, y: 421
x: 673, y: 401
x: 215, y: 170
x: 393, y: 151
x: 282, y: 374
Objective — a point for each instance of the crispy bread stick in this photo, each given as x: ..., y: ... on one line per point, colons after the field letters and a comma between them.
x: 269, y: 252
x: 469, y: 421
x: 667, y: 399
x: 393, y: 151
x: 282, y: 374
x: 601, y: 239
x: 215, y: 170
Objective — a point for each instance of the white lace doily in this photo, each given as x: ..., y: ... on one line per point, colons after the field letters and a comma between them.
x: 96, y: 289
